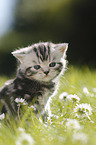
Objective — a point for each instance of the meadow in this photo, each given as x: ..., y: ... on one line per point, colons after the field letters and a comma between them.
x: 73, y: 114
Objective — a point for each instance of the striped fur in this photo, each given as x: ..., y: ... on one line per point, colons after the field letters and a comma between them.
x: 40, y: 65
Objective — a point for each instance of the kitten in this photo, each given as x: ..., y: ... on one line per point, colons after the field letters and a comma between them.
x: 40, y: 65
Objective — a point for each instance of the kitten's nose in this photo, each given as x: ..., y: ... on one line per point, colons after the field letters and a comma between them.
x: 46, y: 72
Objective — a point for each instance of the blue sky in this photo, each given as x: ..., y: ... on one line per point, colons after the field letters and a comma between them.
x: 7, y: 8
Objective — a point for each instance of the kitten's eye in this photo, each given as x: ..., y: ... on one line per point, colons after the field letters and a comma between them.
x: 28, y: 71
x: 37, y: 67
x: 52, y: 64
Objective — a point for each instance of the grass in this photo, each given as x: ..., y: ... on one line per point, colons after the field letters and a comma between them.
x: 67, y: 125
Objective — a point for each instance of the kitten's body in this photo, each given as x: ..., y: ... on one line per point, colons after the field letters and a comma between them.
x: 40, y: 65
x: 28, y: 89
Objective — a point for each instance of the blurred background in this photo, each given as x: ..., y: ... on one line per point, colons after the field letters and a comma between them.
x: 24, y: 22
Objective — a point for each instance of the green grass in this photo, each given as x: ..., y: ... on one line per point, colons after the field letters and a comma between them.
x: 63, y: 127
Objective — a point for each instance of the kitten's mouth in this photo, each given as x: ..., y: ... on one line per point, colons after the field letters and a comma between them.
x: 45, y: 76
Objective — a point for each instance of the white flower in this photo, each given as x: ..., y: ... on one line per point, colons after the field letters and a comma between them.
x: 87, y: 93
x: 94, y: 90
x: 21, y: 101
x: 80, y: 136
x: 54, y: 126
x: 25, y: 137
x: 2, y: 116
x: 73, y: 124
x: 73, y: 98
x: 83, y: 110
x: 21, y: 129
x: 85, y: 90
x: 55, y: 116
x: 33, y: 107
x: 63, y: 95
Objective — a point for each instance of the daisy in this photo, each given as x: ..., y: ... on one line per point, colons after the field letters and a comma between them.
x: 73, y: 98
x: 73, y: 124
x: 83, y: 110
x: 63, y: 95
x: 25, y: 137
x: 21, y: 101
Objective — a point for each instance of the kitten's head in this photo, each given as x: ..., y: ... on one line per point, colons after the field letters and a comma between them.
x: 43, y: 61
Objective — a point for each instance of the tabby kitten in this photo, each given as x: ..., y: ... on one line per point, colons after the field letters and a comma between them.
x: 39, y: 66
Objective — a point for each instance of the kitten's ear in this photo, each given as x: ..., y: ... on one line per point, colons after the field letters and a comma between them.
x: 62, y: 48
x: 19, y: 54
